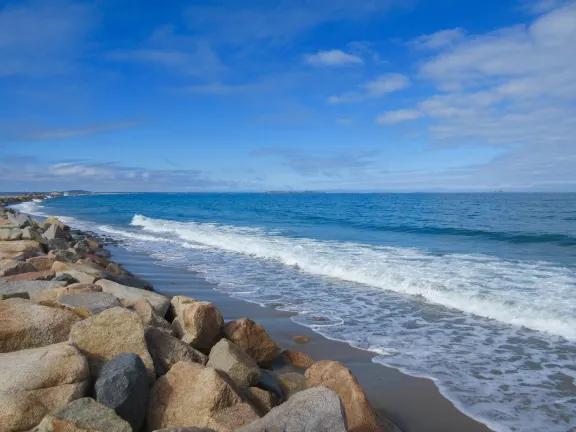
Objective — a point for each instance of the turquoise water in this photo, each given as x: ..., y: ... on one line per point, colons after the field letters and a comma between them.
x: 475, y: 291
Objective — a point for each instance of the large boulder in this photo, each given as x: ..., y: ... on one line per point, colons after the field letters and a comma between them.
x: 8, y: 288
x: 149, y: 316
x: 291, y: 383
x: 36, y: 381
x: 20, y: 248
x: 295, y: 358
x: 179, y: 303
x: 261, y: 399
x: 102, y: 337
x: 238, y: 365
x: 185, y: 429
x: 33, y: 276
x: 166, y: 351
x: 20, y: 220
x: 129, y: 295
x: 10, y: 267
x: 10, y: 234
x: 192, y: 395
x: 30, y: 233
x: 41, y: 263
x: 314, y: 410
x: 54, y: 232
x: 54, y: 221
x: 82, y: 273
x: 24, y: 324
x: 123, y: 386
x: 334, y: 375
x: 200, y: 325
x: 49, y: 297
x: 253, y: 339
x: 90, y: 303
x: 84, y: 415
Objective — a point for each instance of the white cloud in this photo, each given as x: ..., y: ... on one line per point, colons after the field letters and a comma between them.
x: 439, y: 39
x: 381, y: 86
x: 333, y: 58
x: 393, y: 117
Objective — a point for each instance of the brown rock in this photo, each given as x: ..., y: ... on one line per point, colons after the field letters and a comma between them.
x: 238, y: 365
x: 88, y: 304
x: 149, y: 316
x: 129, y: 295
x: 295, y: 358
x: 54, y: 221
x: 166, y: 351
x: 9, y: 267
x: 24, y: 324
x: 50, y: 297
x: 192, y: 395
x: 36, y: 381
x: 291, y: 383
x: 45, y: 275
x: 104, y: 336
x: 179, y: 303
x: 81, y: 272
x: 200, y: 325
x: 338, y: 377
x: 41, y: 263
x: 261, y: 399
x: 252, y: 338
x: 84, y: 415
x: 301, y: 340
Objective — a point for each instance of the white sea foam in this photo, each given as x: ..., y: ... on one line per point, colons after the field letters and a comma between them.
x: 532, y: 295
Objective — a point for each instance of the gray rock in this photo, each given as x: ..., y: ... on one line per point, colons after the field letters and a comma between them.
x: 65, y: 255
x: 11, y: 287
x: 269, y: 382
x: 11, y: 234
x: 123, y: 386
x: 82, y: 246
x: 89, y: 303
x: 54, y: 232
x: 84, y: 415
x: 133, y: 282
x: 20, y: 220
x: 186, y: 429
x: 13, y: 267
x: 116, y: 269
x: 238, y: 365
x: 315, y: 410
x: 58, y: 244
x: 66, y: 278
x: 166, y: 351
x: 291, y: 383
x: 30, y: 233
x: 130, y: 294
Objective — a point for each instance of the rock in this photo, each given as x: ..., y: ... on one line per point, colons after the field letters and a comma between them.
x: 25, y: 248
x: 102, y: 337
x: 41, y: 263
x: 149, y: 316
x: 50, y: 297
x: 186, y: 429
x: 54, y: 221
x: 93, y: 244
x: 30, y: 233
x: 20, y: 220
x: 334, y: 375
x: 116, y: 269
x: 54, y: 232
x: 82, y: 273
x: 192, y: 395
x: 33, y: 276
x: 36, y: 381
x: 301, y: 340
x: 253, y: 339
x: 22, y: 295
x: 314, y: 410
x: 200, y: 325
x: 10, y: 234
x: 58, y: 244
x: 262, y: 400
x: 291, y: 383
x: 24, y: 324
x: 179, y: 303
x: 123, y: 386
x: 131, y: 295
x: 82, y: 246
x: 67, y: 279
x: 84, y: 415
x: 8, y: 287
x: 166, y: 351
x: 10, y: 267
x: 238, y: 365
x: 295, y: 358
x: 89, y: 303
x: 269, y: 382
x: 128, y: 281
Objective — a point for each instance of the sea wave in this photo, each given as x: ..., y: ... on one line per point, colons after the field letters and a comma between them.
x: 532, y: 295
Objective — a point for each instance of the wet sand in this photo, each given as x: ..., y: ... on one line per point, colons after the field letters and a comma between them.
x: 413, y: 404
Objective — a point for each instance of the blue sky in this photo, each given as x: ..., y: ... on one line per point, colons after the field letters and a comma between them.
x: 336, y: 95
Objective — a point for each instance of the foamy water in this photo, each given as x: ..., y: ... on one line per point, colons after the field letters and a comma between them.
x: 496, y: 335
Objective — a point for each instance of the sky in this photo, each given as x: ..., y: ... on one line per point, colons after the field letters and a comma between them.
x: 328, y: 95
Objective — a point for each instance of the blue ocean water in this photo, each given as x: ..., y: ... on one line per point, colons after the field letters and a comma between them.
x: 475, y: 291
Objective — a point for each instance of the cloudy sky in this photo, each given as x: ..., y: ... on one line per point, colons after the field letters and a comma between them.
x: 335, y: 95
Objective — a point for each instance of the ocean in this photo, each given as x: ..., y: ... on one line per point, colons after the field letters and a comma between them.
x: 474, y: 291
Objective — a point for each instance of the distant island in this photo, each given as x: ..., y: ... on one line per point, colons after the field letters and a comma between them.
x: 294, y: 192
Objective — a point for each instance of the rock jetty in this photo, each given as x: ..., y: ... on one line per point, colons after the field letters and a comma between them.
x: 87, y: 346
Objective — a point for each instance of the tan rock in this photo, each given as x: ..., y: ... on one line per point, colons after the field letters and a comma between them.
x: 25, y: 248
x: 33, y: 276
x: 291, y: 383
x: 166, y: 350
x: 149, y: 316
x: 112, y: 332
x: 238, y: 365
x: 36, y: 381
x: 192, y: 395
x: 295, y: 358
x: 24, y: 324
x: 50, y: 297
x: 130, y: 295
x: 301, y: 340
x: 41, y: 262
x: 252, y: 338
x: 334, y: 375
x: 84, y: 415
x: 179, y: 303
x: 261, y: 399
x: 54, y: 221
x: 10, y: 267
x: 81, y: 272
x: 200, y: 325
x: 88, y: 304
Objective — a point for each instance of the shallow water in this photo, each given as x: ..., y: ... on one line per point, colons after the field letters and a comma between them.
x: 475, y: 291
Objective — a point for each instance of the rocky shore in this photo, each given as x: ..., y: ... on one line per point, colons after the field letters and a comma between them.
x: 85, y: 345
